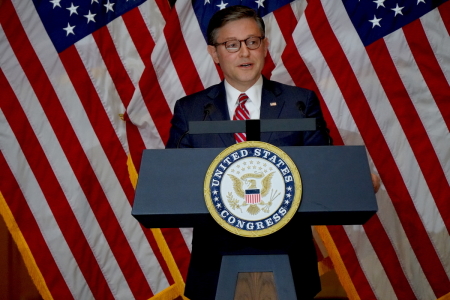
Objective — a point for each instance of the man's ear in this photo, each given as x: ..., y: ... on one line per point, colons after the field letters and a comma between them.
x: 212, y: 50
x: 266, y: 46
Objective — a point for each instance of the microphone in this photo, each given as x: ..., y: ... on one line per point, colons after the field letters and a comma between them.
x: 321, y: 125
x: 301, y: 107
x: 208, y: 109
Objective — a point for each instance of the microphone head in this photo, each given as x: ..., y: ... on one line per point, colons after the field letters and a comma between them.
x: 208, y: 109
x: 301, y: 107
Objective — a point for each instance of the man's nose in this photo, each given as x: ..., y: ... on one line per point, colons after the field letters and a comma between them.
x: 244, y: 51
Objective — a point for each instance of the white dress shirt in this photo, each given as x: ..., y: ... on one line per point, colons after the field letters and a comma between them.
x: 253, y: 103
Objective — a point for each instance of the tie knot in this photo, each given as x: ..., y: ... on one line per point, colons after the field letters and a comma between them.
x: 242, y: 99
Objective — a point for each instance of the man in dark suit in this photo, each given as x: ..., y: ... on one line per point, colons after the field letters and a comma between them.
x: 236, y: 38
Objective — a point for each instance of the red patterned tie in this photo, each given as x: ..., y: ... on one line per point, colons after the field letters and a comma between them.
x: 241, y: 113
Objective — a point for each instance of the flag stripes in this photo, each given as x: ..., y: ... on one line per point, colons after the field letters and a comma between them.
x: 391, y: 123
x: 83, y: 172
x: 76, y: 148
x: 53, y: 216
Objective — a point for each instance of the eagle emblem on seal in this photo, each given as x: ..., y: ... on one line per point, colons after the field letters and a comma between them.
x: 252, y: 187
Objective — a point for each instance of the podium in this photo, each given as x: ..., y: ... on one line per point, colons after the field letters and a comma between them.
x: 337, y: 190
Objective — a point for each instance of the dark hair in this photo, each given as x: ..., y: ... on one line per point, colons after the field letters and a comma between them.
x: 229, y: 14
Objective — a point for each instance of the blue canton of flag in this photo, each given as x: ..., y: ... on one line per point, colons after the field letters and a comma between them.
x: 68, y: 21
x: 374, y: 19
x: 204, y: 9
x: 252, y: 196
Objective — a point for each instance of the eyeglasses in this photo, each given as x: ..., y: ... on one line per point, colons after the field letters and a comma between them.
x: 252, y: 43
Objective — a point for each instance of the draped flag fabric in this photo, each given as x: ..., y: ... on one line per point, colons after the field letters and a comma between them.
x: 70, y: 69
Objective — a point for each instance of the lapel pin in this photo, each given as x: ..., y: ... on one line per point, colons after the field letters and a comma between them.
x: 273, y: 104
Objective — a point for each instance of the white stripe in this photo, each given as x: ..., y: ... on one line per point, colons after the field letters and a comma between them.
x: 390, y: 127
x: 32, y: 192
x: 326, y: 83
x: 61, y: 168
x: 153, y: 18
x: 439, y: 39
x: 275, y: 37
x: 298, y: 7
x: 370, y: 263
x: 104, y: 85
x: 397, y: 236
x: 126, y: 49
x: 187, y: 236
x: 196, y: 44
x: 166, y: 74
x: 139, y: 114
x: 421, y: 97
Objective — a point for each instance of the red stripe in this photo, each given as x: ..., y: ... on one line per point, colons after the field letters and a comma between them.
x: 142, y: 39
x: 180, y: 55
x: 164, y: 7
x: 351, y: 262
x: 301, y: 76
x: 444, y: 11
x: 98, y: 117
x: 135, y: 144
x: 386, y: 254
x: 24, y: 217
x: 51, y: 189
x: 116, y: 69
x: 156, y: 102
x: 269, y: 66
x: 378, y: 148
x: 178, y: 248
x: 83, y: 171
x: 286, y: 21
x: 429, y: 67
x: 412, y: 127
x: 106, y: 135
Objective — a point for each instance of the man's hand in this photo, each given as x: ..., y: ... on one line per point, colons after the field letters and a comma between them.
x: 376, y: 181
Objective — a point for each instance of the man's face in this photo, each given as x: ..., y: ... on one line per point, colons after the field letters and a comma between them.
x: 242, y: 68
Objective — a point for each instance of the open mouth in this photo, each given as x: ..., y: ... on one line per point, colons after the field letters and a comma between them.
x: 245, y: 65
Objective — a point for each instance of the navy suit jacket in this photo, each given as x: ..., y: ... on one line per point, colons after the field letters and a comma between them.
x: 290, y: 103
x: 211, y: 241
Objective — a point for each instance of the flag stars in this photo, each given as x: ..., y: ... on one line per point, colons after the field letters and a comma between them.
x: 375, y: 21
x: 207, y: 1
x: 90, y: 17
x: 397, y: 10
x: 72, y: 9
x: 379, y: 3
x: 109, y: 6
x: 55, y: 3
x: 260, y: 3
x: 69, y: 29
x: 96, y: 1
x: 222, y: 5
x: 418, y: 1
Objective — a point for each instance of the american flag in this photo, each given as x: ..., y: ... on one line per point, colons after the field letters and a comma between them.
x: 65, y: 189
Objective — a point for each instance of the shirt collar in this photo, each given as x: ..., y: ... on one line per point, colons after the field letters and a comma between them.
x: 253, y: 93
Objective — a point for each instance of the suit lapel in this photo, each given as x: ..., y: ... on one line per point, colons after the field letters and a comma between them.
x: 218, y: 96
x: 271, y: 105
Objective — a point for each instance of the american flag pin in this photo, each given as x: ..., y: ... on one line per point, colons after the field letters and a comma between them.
x: 273, y: 104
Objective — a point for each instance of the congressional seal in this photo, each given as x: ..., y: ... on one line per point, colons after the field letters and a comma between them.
x: 252, y: 189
